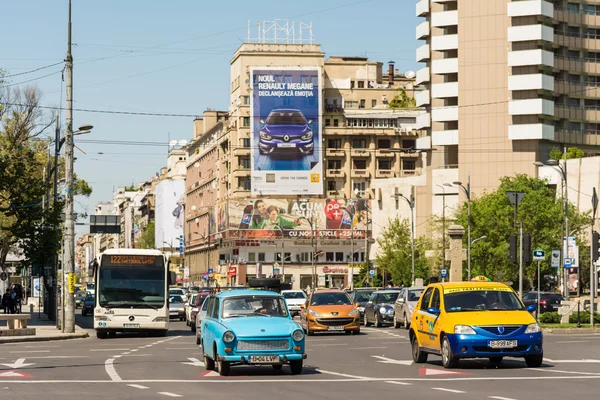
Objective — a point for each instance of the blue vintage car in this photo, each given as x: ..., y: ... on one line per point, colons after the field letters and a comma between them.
x: 251, y: 327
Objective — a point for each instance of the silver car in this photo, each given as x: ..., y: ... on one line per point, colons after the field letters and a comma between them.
x: 405, y: 304
x: 202, y: 309
x: 176, y: 307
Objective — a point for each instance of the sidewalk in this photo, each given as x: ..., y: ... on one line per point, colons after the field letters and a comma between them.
x: 571, y: 331
x: 45, y: 330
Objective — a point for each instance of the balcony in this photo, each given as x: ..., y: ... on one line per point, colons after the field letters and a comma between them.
x: 531, y: 107
x: 444, y: 138
x: 446, y: 42
x: 523, y: 58
x: 422, y: 76
x: 423, y: 30
x: 409, y: 153
x: 530, y: 8
x: 445, y: 114
x: 332, y: 152
x: 422, y: 97
x: 360, y: 153
x: 576, y: 18
x: 444, y: 18
x: 577, y: 65
x: 422, y: 8
x: 577, y: 89
x: 241, y: 173
x: 334, y: 108
x: 444, y: 90
x: 423, y: 121
x: 408, y: 172
x: 531, y: 82
x: 530, y: 32
x: 531, y: 132
x: 335, y: 173
x: 385, y: 153
x: 445, y: 66
x: 384, y: 173
x: 577, y: 113
x: 423, y: 53
x: 241, y: 151
x: 424, y: 143
x: 360, y: 173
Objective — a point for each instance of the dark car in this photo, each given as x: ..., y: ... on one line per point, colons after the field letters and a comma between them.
x: 548, y: 301
x: 286, y: 130
x: 88, y: 305
x: 79, y: 297
x: 380, y: 308
x: 361, y: 297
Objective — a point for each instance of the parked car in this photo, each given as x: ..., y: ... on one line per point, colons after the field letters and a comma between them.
x: 88, y: 305
x: 474, y: 320
x: 405, y: 305
x: 380, y: 308
x: 79, y: 298
x: 286, y: 130
x: 189, y: 305
x: 176, y: 307
x: 330, y: 310
x: 203, y: 308
x: 361, y: 298
x: 294, y: 300
x: 250, y: 327
x: 548, y: 301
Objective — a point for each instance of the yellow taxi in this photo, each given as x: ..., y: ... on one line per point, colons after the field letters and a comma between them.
x: 329, y: 310
x: 474, y: 320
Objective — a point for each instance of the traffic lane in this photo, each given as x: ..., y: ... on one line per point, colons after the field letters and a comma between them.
x: 70, y: 390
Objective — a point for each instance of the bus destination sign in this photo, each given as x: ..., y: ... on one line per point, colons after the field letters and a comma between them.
x: 125, y: 260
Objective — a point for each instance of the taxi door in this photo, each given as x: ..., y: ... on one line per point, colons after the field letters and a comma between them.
x: 435, y: 325
x: 422, y: 319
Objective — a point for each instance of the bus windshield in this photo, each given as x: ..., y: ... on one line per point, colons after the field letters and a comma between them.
x: 124, y: 283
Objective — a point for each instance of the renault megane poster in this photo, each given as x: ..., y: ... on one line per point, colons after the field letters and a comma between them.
x: 286, y: 130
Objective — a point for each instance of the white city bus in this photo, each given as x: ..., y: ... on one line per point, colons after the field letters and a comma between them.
x: 132, y: 292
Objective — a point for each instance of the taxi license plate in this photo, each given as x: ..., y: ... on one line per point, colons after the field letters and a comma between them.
x: 503, y: 344
x: 263, y: 359
x: 131, y: 325
x: 335, y: 328
x: 286, y: 145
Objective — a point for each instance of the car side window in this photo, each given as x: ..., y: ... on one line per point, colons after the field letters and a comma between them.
x: 205, y: 305
x: 211, y: 307
x: 215, y: 313
x: 425, y: 299
x: 435, y: 300
x: 373, y: 298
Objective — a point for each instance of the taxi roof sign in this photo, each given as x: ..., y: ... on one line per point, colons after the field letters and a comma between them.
x: 481, y: 278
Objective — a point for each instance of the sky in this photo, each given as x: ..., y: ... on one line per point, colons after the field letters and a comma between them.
x: 168, y: 57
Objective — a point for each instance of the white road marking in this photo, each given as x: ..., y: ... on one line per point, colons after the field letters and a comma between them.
x: 20, y: 363
x: 111, y: 371
x: 582, y: 361
x: 169, y: 394
x: 500, y: 398
x: 399, y: 383
x: 573, y: 341
x: 329, y: 344
x: 386, y: 360
x: 133, y: 385
x: 181, y: 348
x: 52, y: 357
x: 449, y: 390
x: 194, y: 362
x: 119, y: 356
x: 344, y: 375
x: 41, y: 346
x: 109, y: 349
x: 30, y: 351
x: 134, y: 350
x: 563, y: 372
x: 368, y: 348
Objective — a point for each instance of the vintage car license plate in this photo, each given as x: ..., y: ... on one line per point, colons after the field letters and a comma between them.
x: 286, y: 145
x: 335, y: 328
x: 503, y: 344
x: 263, y: 359
x: 131, y: 325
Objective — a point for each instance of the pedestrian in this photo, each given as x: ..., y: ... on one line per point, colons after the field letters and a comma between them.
x: 6, y: 302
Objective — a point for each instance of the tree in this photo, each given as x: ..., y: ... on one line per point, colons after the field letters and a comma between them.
x: 147, y: 239
x: 401, y: 100
x: 492, y: 215
x: 572, y: 152
x: 394, y: 255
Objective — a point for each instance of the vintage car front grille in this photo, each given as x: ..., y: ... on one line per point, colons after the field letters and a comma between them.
x: 335, y: 321
x: 247, y: 345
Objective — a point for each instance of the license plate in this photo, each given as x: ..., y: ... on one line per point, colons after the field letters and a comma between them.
x: 335, y: 328
x: 131, y: 325
x: 503, y: 344
x: 263, y: 359
x: 286, y: 145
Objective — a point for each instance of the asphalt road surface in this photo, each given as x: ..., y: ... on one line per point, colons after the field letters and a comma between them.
x: 374, y: 364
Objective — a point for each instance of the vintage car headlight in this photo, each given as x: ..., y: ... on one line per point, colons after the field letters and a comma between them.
x: 313, y: 313
x: 298, y: 335
x: 533, y: 328
x: 464, y: 330
x: 228, y: 337
x: 307, y: 136
x: 353, y: 313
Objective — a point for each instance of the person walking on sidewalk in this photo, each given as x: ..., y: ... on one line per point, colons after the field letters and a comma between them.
x: 6, y: 302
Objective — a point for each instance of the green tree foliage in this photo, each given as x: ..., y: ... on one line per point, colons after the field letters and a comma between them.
x: 492, y: 215
x: 394, y: 256
x: 147, y: 239
x: 572, y: 152
x: 401, y: 100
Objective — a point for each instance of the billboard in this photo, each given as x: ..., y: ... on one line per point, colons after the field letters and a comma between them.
x: 269, y: 218
x: 285, y: 128
x: 170, y: 196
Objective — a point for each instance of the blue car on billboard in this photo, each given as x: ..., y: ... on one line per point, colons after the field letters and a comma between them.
x: 286, y: 130
x: 250, y: 327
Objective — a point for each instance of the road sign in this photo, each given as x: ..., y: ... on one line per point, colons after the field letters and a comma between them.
x: 371, y: 272
x: 539, y: 255
x: 204, y: 277
x: 71, y: 280
x: 555, y: 260
x: 444, y: 273
x: 568, y: 262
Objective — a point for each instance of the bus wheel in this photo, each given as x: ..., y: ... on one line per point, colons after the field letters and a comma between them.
x: 101, y: 335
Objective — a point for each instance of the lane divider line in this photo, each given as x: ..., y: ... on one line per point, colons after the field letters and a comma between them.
x: 111, y: 371
x: 133, y: 385
x: 449, y: 390
x: 399, y: 383
x: 169, y: 394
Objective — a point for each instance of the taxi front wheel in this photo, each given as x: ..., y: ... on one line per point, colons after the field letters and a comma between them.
x: 419, y: 356
x: 448, y: 358
x: 535, y: 360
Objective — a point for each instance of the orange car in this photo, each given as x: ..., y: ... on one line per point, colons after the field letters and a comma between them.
x: 330, y: 310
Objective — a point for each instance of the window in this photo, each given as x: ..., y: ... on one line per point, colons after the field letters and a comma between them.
x: 573, y: 54
x: 574, y: 126
x: 360, y: 186
x: 573, y: 31
x: 327, y: 122
x: 573, y: 7
x: 352, y: 84
x: 251, y: 257
x: 246, y: 121
x: 246, y: 143
x: 244, y: 162
x: 261, y: 257
x: 409, y: 144
x: 336, y: 123
x: 384, y: 164
x: 288, y: 257
x: 334, y: 143
x: 384, y: 144
x: 574, y: 78
x: 334, y: 164
x: 359, y: 143
x: 409, y: 165
x: 573, y: 102
x: 329, y: 257
x: 351, y: 104
x: 359, y: 257
x: 426, y: 298
x: 373, y: 103
x: 362, y: 103
x: 361, y: 84
x: 359, y: 164
x: 244, y: 183
x: 246, y: 100
x: 332, y: 185
x: 339, y: 257
x: 435, y: 300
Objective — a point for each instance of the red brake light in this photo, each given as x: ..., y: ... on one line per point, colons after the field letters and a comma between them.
x: 543, y: 302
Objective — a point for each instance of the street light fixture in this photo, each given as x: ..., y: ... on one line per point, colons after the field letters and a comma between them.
x: 467, y: 191
x: 411, y: 204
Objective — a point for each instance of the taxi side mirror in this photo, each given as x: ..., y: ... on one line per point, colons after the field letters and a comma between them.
x: 432, y: 310
x: 531, y: 308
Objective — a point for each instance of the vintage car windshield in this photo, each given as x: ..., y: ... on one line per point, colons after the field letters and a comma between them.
x: 330, y: 299
x: 293, y: 295
x: 414, y: 295
x: 286, y: 118
x: 246, y: 306
x: 481, y: 300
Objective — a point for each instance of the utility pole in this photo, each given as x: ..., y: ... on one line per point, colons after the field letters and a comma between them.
x: 69, y: 234
x: 592, y: 256
x: 521, y: 259
x: 351, y: 269
x: 566, y: 270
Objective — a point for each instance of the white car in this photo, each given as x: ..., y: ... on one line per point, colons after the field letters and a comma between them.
x: 178, y: 292
x: 188, y: 308
x: 201, y: 315
x: 294, y: 299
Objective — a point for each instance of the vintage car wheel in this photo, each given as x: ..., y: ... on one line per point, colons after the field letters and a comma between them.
x: 296, y: 367
x: 356, y: 332
x: 197, y: 337
x: 419, y: 356
x: 209, y: 363
x: 449, y: 360
x: 223, y: 367
x: 534, y: 360
x: 366, y: 321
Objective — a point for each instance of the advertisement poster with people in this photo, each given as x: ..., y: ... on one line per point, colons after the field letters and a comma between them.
x: 169, y: 213
x: 285, y: 128
x: 328, y: 218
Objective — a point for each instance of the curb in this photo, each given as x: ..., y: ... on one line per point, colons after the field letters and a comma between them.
x: 570, y: 331
x: 23, y: 339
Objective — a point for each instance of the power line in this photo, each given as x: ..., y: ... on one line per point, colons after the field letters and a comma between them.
x: 31, y: 80
x: 33, y: 70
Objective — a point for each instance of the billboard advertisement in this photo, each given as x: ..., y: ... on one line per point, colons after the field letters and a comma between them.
x: 328, y: 218
x: 285, y: 128
x: 170, y: 196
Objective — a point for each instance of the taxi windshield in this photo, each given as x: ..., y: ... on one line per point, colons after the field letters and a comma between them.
x: 457, y: 300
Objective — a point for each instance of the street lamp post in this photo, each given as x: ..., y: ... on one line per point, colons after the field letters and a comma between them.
x: 282, y: 251
x: 443, y: 225
x: 467, y: 191
x: 411, y: 204
x: 314, y: 252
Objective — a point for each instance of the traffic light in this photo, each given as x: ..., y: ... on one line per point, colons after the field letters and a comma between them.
x: 526, y: 249
x: 512, y: 248
x: 595, y: 245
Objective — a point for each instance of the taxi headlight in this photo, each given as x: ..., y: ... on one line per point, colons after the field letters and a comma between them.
x: 298, y: 335
x: 464, y: 330
x: 228, y: 337
x: 314, y: 313
x: 533, y: 328
x: 353, y: 313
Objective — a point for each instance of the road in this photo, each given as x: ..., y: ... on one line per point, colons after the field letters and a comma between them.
x: 374, y: 364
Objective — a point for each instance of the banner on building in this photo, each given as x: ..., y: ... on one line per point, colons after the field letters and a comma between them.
x: 169, y: 210
x: 285, y: 128
x: 327, y: 218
